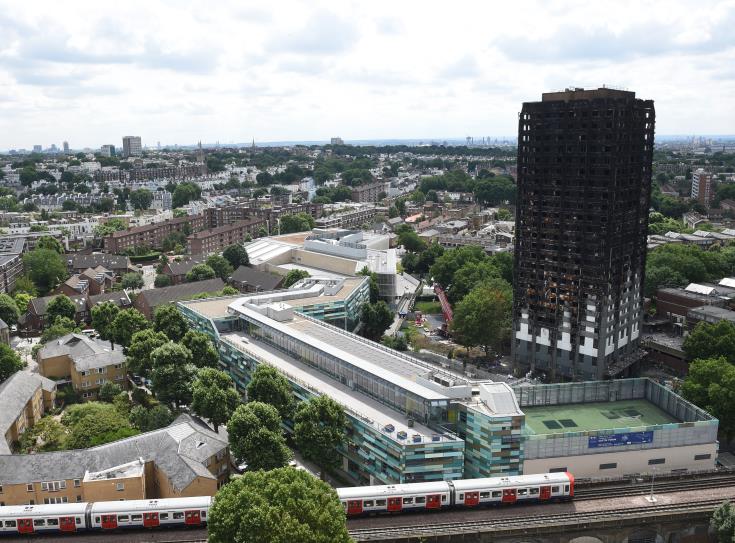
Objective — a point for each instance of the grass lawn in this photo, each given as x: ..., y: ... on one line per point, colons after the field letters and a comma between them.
x: 428, y: 308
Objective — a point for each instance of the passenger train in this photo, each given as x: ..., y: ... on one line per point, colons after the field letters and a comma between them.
x: 182, y: 512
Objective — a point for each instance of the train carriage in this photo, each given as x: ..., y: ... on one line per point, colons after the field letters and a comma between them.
x: 394, y: 498
x: 508, y: 490
x: 40, y: 519
x: 150, y: 513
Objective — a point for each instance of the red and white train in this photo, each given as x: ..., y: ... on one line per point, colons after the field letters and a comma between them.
x: 460, y: 493
x: 83, y: 516
x: 178, y: 512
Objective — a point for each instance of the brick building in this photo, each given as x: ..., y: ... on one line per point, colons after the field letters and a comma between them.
x: 11, y: 267
x: 152, y: 235
x: 148, y: 300
x: 368, y: 193
x: 24, y: 397
x: 215, y: 240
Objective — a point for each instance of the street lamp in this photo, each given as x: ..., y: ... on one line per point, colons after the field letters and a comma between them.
x: 651, y: 498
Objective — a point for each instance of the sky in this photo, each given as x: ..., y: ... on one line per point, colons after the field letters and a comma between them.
x: 180, y: 72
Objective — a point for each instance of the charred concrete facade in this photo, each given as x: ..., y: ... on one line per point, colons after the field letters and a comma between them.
x: 584, y: 187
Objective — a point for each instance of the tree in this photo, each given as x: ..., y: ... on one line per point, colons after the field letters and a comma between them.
x: 711, y: 340
x: 483, y: 317
x: 125, y: 324
x: 22, y: 299
x: 173, y: 373
x: 94, y: 423
x: 264, y: 178
x: 469, y: 276
x: 214, y: 396
x: 60, y: 327
x: 279, y: 506
x: 169, y: 320
x: 236, y: 255
x: 374, y: 288
x: 185, y: 193
x: 294, y: 276
x: 108, y: 391
x: 61, y: 306
x: 49, y: 242
x: 9, y: 311
x: 149, y: 419
x: 269, y: 386
x: 141, y: 347
x: 132, y: 280
x: 319, y: 429
x: 45, y: 267
x: 297, y: 222
x: 255, y: 436
x: 452, y: 260
x: 221, y: 266
x: 25, y: 284
x: 200, y: 272
x: 161, y: 281
x: 723, y: 522
x: 202, y: 349
x: 710, y: 385
x: 103, y: 315
x: 141, y: 199
x: 411, y: 240
x: 10, y: 362
x: 375, y: 319
x: 110, y: 226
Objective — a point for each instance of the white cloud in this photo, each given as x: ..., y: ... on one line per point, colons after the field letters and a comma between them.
x: 184, y: 71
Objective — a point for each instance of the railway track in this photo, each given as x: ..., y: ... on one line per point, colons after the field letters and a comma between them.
x: 639, y: 489
x: 563, y: 519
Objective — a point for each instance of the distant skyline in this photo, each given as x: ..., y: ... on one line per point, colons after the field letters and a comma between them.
x: 289, y: 71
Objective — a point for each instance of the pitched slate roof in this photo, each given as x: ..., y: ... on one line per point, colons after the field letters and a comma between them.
x: 119, y: 298
x: 111, y: 262
x: 85, y: 352
x: 184, y: 266
x: 265, y: 280
x: 40, y: 305
x: 158, y: 296
x: 15, y: 392
x: 178, y: 450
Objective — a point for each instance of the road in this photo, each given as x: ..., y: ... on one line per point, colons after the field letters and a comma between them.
x: 149, y: 276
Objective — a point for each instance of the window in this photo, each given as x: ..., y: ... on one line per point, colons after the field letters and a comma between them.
x: 367, y: 503
x: 39, y: 522
x: 122, y: 518
x: 178, y: 515
x: 10, y: 524
x: 76, y: 483
x: 79, y: 498
x: 461, y: 496
x: 558, y: 470
x: 555, y: 489
x: 484, y: 495
x: 522, y: 491
x: 203, y: 514
x: 120, y: 486
x: 420, y: 499
x: 611, y: 465
x: 380, y: 503
x: 163, y: 516
x: 408, y: 500
x: 566, y: 488
x: 654, y: 461
x: 136, y: 518
x: 29, y: 487
x: 79, y: 519
x: 533, y: 491
x: 52, y: 521
x: 1, y: 489
x: 696, y: 457
x: 497, y: 493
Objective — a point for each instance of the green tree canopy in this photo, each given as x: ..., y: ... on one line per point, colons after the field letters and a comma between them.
x: 214, y: 396
x: 711, y: 340
x: 141, y: 347
x: 236, y: 255
x: 375, y: 319
x: 161, y: 281
x: 125, y: 324
x: 279, y: 506
x: 200, y: 272
x: 108, y: 391
x: 256, y: 437
x: 173, y: 373
x: 46, y: 268
x: 169, y: 320
x: 141, y: 199
x: 10, y: 362
x: 49, y: 242
x: 94, y: 423
x: 25, y: 284
x: 9, y: 311
x: 319, y: 429
x: 297, y: 222
x: 148, y: 419
x: 710, y: 385
x: 294, y: 276
x: 269, y: 386
x: 132, y: 280
x: 60, y: 327
x: 186, y: 192
x: 202, y: 349
x: 723, y: 522
x: 61, y: 306
x: 103, y: 315
x: 452, y: 260
x: 221, y: 266
x: 22, y: 299
x: 483, y: 317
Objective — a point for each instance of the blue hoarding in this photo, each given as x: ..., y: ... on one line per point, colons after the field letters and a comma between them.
x: 615, y: 440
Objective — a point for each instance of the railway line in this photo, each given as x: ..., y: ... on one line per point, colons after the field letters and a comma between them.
x: 644, y: 487
x: 576, y: 518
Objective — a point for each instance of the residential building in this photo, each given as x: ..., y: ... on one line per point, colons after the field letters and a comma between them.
x: 132, y: 146
x: 25, y: 397
x: 247, y: 279
x: 36, y: 319
x: 162, y: 199
x: 84, y: 362
x: 66, y: 147
x: 584, y: 185
x: 369, y: 192
x: 152, y: 235
x: 207, y: 242
x: 336, y: 141
x: 184, y: 459
x: 90, y: 281
x: 117, y: 264
x: 703, y: 189
x: 148, y: 300
x: 350, y: 219
x: 107, y: 150
x: 177, y: 268
x: 11, y: 267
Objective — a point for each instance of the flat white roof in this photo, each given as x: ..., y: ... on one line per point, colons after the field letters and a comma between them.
x: 375, y: 360
x: 360, y: 405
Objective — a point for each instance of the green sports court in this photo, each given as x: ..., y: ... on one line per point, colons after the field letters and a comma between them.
x: 584, y: 417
